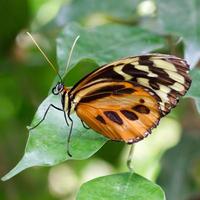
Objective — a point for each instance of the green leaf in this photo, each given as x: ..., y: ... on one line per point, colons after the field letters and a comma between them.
x: 126, y: 186
x: 181, y: 17
x: 80, y: 70
x: 105, y: 43
x: 180, y: 172
x: 194, y: 91
x: 47, y: 143
x: 79, y: 10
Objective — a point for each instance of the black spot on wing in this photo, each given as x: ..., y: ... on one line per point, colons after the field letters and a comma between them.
x: 129, y: 115
x: 130, y: 70
x: 94, y: 97
x: 154, y: 85
x: 119, y: 64
x: 108, y: 73
x: 100, y: 119
x: 159, y: 71
x: 109, y: 88
x: 125, y: 91
x: 141, y: 109
x: 106, y: 91
x: 162, y: 80
x: 145, y: 61
x: 163, y: 77
x: 114, y: 117
x: 142, y: 101
x: 144, y: 57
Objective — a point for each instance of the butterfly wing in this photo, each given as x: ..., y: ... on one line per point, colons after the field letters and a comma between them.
x: 164, y: 75
x: 119, y: 110
x: 125, y: 99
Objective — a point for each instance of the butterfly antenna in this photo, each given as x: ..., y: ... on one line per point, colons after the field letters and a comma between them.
x: 47, y: 59
x: 71, y: 51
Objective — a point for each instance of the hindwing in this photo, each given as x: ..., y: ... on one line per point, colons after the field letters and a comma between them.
x: 119, y: 110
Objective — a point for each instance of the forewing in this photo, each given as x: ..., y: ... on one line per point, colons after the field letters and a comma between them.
x: 121, y: 111
x: 165, y: 75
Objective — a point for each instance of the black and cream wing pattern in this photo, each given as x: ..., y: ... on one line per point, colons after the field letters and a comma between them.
x: 131, y: 94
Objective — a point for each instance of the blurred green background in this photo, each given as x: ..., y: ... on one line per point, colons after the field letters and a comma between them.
x: 171, y: 156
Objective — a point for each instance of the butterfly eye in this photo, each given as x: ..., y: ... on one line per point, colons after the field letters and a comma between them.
x: 58, y: 89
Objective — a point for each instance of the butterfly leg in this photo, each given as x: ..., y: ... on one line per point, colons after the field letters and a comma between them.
x: 69, y: 136
x: 71, y: 126
x: 130, y: 158
x: 65, y: 116
x: 44, y: 116
x: 84, y: 125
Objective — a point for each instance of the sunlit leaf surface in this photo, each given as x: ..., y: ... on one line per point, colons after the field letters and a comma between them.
x: 47, y: 143
x: 105, y: 43
x: 124, y: 186
x: 79, y: 10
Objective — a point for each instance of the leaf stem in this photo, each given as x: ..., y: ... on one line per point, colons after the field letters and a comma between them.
x: 130, y: 158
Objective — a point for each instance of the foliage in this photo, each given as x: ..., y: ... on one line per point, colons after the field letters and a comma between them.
x: 184, y: 180
x: 108, y: 31
x: 120, y: 186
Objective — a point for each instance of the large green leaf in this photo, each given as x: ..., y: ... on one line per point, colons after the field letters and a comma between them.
x: 126, y: 186
x: 105, y: 43
x: 181, y: 17
x: 180, y: 174
x: 47, y: 143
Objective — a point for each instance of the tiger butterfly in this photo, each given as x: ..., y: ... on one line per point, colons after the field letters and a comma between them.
x: 125, y: 99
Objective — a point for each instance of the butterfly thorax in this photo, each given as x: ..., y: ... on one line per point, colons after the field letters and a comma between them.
x: 65, y: 98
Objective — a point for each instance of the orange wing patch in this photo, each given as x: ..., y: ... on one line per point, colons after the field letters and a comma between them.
x: 127, y: 114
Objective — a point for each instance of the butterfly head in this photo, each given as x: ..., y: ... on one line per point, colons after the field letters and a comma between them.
x: 58, y: 88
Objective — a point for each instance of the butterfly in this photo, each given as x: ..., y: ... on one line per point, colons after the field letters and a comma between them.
x: 126, y: 99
